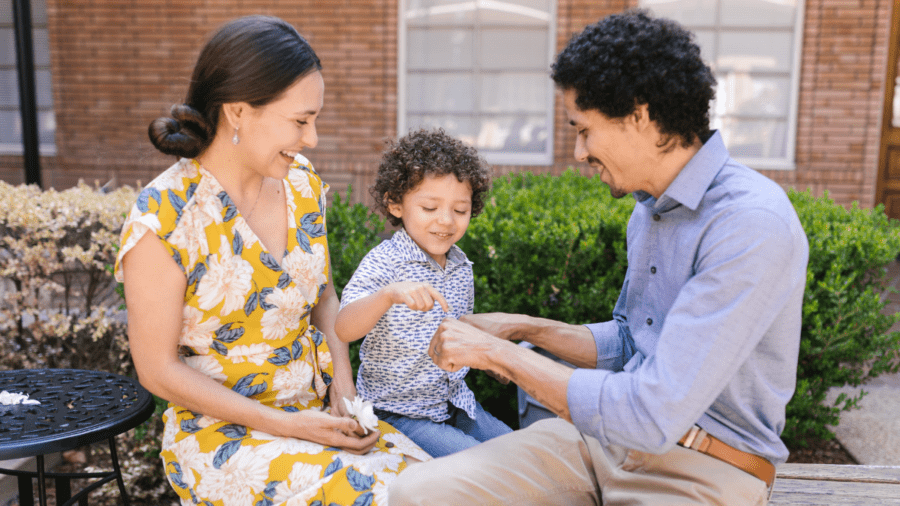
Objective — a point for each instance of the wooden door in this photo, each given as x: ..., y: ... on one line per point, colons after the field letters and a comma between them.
x: 888, y: 187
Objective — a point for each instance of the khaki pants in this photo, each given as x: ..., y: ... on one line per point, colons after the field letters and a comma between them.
x: 551, y: 463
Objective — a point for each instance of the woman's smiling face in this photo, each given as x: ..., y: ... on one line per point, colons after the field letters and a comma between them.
x: 279, y: 130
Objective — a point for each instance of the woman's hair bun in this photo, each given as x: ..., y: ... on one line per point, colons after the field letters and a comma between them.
x: 184, y: 134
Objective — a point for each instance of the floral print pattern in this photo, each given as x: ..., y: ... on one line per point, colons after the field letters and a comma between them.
x: 246, y: 324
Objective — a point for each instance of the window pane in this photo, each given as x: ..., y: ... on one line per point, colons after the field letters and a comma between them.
x: 462, y: 127
x: 746, y: 51
x: 41, y: 47
x: 764, y: 13
x: 746, y: 95
x: 504, y: 49
x: 440, y: 49
x: 7, y: 47
x: 10, y: 127
x: 42, y: 88
x: 505, y: 93
x: 513, y: 134
x: 754, y: 139
x: 46, y: 128
x: 706, y: 39
x: 515, y: 12
x: 440, y: 12
x: 686, y: 12
x: 440, y: 92
x: 9, y: 89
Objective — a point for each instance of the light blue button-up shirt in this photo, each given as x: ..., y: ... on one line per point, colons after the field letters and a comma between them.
x: 706, y: 329
x: 395, y: 371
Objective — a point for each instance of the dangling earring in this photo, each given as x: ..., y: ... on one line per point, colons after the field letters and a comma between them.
x: 235, y: 140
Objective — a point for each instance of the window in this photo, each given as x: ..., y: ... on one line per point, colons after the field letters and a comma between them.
x: 10, y: 117
x: 480, y: 70
x: 753, y: 48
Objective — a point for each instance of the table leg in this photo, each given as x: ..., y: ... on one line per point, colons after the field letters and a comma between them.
x: 26, y: 491
x: 42, y: 488
x: 118, y: 471
x: 63, y: 489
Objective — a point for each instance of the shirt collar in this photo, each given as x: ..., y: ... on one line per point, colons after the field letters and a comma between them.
x: 409, y: 251
x: 694, y: 179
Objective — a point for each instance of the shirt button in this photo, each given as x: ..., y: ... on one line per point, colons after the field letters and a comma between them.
x: 655, y: 217
x: 649, y: 321
x: 653, y: 270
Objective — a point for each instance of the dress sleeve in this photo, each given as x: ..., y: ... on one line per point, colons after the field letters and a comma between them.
x: 156, y: 211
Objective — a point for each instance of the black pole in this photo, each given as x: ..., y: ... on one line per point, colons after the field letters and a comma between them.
x: 27, y: 93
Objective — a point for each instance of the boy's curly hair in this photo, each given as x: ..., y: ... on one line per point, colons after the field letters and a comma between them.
x: 631, y: 58
x: 423, y: 152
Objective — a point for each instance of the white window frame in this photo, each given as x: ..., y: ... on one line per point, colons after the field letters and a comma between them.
x: 495, y: 158
x: 44, y: 148
x: 788, y: 162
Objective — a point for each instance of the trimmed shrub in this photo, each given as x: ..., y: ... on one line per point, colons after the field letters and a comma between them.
x: 845, y: 337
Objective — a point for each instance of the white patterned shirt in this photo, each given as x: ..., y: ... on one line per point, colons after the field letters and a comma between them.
x: 395, y: 371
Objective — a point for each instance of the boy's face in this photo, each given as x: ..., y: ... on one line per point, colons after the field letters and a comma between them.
x: 436, y: 214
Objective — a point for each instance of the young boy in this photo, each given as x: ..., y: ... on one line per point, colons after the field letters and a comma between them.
x: 430, y: 184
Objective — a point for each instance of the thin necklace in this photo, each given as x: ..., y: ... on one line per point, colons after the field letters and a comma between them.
x: 247, y: 217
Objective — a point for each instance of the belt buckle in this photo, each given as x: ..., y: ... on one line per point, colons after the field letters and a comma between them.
x: 694, y: 438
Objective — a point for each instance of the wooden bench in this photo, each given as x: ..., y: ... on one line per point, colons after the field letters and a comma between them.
x: 828, y: 484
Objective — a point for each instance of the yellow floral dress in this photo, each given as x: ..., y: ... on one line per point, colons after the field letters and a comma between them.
x: 246, y: 324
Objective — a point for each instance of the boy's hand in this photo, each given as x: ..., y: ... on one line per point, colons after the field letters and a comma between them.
x: 417, y: 296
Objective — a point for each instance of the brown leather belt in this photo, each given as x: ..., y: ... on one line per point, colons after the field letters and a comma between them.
x: 698, y: 439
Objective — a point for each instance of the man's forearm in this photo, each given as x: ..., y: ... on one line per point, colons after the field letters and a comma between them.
x: 572, y: 343
x: 542, y: 378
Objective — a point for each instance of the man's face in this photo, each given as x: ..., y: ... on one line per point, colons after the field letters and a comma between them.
x: 611, y: 146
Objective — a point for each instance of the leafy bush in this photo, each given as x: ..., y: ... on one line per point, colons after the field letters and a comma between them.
x: 845, y: 338
x: 548, y: 246
x: 554, y: 246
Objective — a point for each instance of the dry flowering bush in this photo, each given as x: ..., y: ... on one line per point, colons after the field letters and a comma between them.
x: 58, y: 301
x: 60, y: 307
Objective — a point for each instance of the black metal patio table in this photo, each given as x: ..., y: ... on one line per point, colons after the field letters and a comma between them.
x: 77, y: 408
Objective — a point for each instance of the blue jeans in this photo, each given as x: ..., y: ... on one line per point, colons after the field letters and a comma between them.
x: 450, y: 436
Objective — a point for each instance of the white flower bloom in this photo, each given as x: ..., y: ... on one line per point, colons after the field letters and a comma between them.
x: 324, y: 359
x: 302, y: 484
x: 290, y: 306
x: 256, y: 353
x: 292, y: 383
x: 228, y: 279
x: 363, y: 412
x: 299, y: 179
x: 307, y: 271
x: 195, y: 332
x: 208, y: 365
x: 372, y: 461
x: 188, y: 455
x: 405, y: 446
x: 380, y: 488
x: 237, y: 480
x: 170, y: 429
x: 277, y: 445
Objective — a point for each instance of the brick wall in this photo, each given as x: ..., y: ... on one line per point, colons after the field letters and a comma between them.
x: 115, y: 69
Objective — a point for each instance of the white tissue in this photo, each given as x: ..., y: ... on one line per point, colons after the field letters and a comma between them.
x: 8, y: 398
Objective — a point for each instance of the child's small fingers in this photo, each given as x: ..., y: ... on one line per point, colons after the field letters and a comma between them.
x: 436, y: 295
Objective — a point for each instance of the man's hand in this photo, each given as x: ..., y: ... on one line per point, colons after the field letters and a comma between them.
x: 456, y: 344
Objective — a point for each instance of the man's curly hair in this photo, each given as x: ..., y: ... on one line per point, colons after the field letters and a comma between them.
x: 423, y: 152
x: 630, y: 59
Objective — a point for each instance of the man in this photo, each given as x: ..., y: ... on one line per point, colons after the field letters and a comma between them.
x: 681, y: 398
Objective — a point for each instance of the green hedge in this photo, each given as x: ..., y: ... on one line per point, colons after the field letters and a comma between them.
x: 554, y: 246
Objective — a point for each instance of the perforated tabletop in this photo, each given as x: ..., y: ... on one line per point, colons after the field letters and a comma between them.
x: 77, y: 407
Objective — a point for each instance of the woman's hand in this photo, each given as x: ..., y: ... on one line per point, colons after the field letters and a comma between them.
x: 329, y: 430
x: 341, y: 388
x: 416, y: 296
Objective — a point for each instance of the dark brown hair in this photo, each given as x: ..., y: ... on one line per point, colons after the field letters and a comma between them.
x: 252, y: 59
x: 405, y: 163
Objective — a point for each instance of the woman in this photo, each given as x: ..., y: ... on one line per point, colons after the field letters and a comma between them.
x: 231, y: 306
